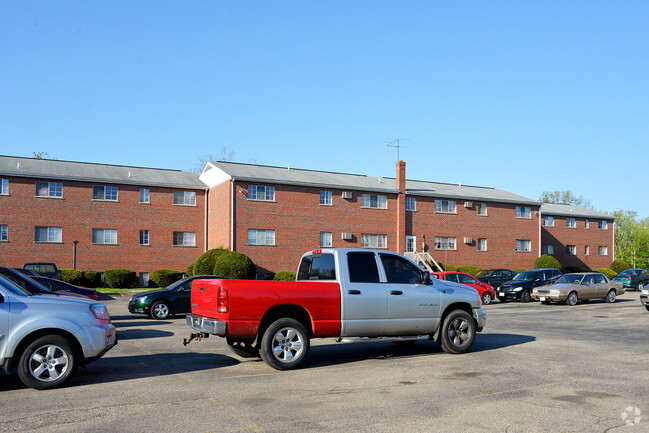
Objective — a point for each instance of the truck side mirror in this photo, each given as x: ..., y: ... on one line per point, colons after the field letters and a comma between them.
x: 425, y: 278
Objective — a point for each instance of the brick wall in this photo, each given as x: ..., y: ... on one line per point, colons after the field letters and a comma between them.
x: 219, y: 219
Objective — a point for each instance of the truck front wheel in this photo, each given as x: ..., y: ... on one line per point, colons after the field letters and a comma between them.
x: 458, y: 332
x: 285, y: 344
x: 47, y: 362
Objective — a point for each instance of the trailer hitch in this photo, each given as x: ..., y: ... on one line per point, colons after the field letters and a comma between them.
x: 197, y: 337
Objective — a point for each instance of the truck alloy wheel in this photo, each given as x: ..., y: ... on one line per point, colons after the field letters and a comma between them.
x: 458, y: 332
x: 285, y: 344
x: 47, y: 362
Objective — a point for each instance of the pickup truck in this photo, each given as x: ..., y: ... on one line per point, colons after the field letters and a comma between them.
x: 354, y: 295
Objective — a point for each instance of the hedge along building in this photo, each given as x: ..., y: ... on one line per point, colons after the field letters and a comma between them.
x: 98, y: 216
x: 275, y: 214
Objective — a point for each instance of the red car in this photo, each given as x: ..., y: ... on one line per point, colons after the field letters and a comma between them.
x: 485, y: 291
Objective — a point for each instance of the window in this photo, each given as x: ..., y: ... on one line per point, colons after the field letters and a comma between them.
x: 374, y: 201
x: 317, y: 267
x: 261, y: 192
x: 3, y: 233
x: 399, y: 270
x: 374, y: 241
x: 602, y: 251
x: 49, y: 189
x: 104, y: 236
x: 185, y: 198
x: 144, y: 237
x: 48, y: 234
x: 104, y: 193
x: 362, y: 268
x: 411, y: 244
x: 444, y: 243
x: 523, y: 246
x: 444, y: 206
x: 144, y: 195
x: 325, y: 198
x: 261, y: 237
x: 603, y: 226
x: 4, y: 186
x: 547, y: 249
x: 482, y: 209
x: 571, y: 223
x: 548, y: 221
x: 523, y: 212
x: 325, y: 239
x: 600, y: 279
x: 587, y: 250
x: 587, y: 224
x: 184, y: 239
x: 466, y: 279
x: 482, y: 244
x: 571, y: 250
x: 411, y: 203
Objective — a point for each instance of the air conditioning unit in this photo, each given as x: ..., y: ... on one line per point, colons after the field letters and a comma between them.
x: 347, y: 194
x: 468, y: 240
x: 468, y: 204
x: 347, y: 236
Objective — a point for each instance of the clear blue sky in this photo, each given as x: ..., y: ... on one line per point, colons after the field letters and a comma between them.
x: 518, y: 95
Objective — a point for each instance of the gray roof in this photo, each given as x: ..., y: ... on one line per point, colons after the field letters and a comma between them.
x: 572, y: 211
x: 293, y: 176
x: 89, y: 172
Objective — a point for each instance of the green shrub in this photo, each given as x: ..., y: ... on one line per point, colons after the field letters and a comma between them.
x: 610, y: 273
x: 572, y: 269
x: 190, y: 270
x: 284, y: 276
x: 235, y: 265
x: 205, y: 263
x: 469, y: 269
x: 72, y: 276
x: 164, y: 277
x: 619, y: 265
x: 546, y: 261
x: 120, y: 278
x: 91, y: 279
x: 445, y: 267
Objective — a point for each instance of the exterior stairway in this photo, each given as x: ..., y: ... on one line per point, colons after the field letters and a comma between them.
x: 425, y: 260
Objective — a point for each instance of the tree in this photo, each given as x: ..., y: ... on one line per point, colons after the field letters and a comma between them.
x: 565, y: 197
x: 226, y: 154
x: 40, y: 155
x: 631, y: 238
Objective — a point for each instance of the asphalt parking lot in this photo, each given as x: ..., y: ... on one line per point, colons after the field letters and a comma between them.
x: 535, y: 368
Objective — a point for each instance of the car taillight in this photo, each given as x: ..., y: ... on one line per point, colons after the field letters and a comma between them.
x: 629, y: 278
x: 222, y: 300
x: 92, y: 296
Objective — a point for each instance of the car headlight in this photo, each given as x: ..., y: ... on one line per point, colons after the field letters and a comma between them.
x: 140, y: 299
x: 100, y: 312
x: 645, y: 291
x: 555, y: 291
x: 517, y: 289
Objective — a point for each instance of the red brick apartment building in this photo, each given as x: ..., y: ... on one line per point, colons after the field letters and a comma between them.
x: 98, y: 217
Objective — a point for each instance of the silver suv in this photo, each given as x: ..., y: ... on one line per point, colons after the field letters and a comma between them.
x: 46, y: 337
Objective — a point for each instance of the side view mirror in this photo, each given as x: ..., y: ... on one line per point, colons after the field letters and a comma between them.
x: 425, y: 278
x: 2, y: 298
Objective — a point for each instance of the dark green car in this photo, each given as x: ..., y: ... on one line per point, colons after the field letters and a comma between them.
x: 160, y: 304
x: 633, y: 278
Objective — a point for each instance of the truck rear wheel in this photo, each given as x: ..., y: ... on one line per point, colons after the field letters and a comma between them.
x: 458, y: 332
x: 285, y: 344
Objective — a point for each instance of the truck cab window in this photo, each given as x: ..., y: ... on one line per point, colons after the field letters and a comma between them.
x: 400, y: 271
x: 317, y: 267
x: 362, y: 268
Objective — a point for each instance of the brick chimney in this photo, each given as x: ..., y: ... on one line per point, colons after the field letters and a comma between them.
x: 401, y: 207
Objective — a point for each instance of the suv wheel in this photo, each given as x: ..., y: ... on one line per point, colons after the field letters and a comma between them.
x: 47, y: 362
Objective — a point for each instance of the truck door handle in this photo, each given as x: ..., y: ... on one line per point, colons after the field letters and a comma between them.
x: 354, y: 292
x: 396, y: 292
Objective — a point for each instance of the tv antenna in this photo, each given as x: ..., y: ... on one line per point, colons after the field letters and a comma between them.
x: 398, y: 146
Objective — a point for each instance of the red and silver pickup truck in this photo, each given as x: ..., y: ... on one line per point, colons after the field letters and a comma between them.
x: 355, y: 295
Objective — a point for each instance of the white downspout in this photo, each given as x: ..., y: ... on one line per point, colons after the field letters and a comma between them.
x: 540, y: 240
x: 207, y: 191
x: 232, y: 214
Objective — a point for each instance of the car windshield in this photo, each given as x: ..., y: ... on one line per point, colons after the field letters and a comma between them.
x: 629, y: 273
x: 570, y: 279
x: 525, y: 276
x: 13, y: 287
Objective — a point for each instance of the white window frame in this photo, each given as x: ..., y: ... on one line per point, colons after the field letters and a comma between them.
x: 571, y: 223
x: 54, y: 189
x: 104, y: 236
x: 482, y: 209
x: 326, y: 198
x: 603, y: 225
x: 374, y: 201
x: 184, y: 198
x: 482, y: 244
x: 411, y: 244
x: 4, y: 233
x: 445, y: 243
x: 104, y: 194
x: 261, y: 237
x: 524, y: 212
x: 53, y: 235
x: 548, y: 221
x: 602, y: 251
x: 144, y: 237
x: 411, y: 204
x: 523, y: 246
x: 326, y: 239
x: 587, y: 223
x: 188, y: 239
x: 547, y: 249
x: 586, y: 250
x: 571, y: 250
x: 145, y: 195
x: 378, y: 241
x: 267, y: 193
x: 446, y: 206
x: 4, y: 186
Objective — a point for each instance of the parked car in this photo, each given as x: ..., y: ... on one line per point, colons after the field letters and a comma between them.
x: 27, y: 272
x: 23, y: 281
x: 61, y: 286
x: 485, y: 291
x: 45, y: 269
x: 644, y: 298
x: 582, y: 286
x: 46, y: 337
x: 160, y: 304
x: 633, y: 278
x: 520, y: 288
x: 495, y: 277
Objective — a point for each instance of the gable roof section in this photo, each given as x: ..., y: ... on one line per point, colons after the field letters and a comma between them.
x: 312, y: 178
x: 102, y: 173
x: 556, y: 209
